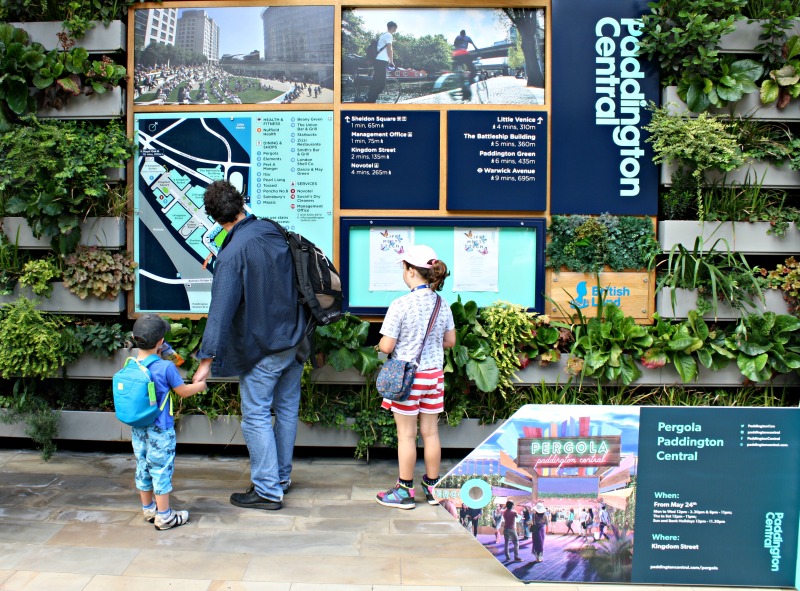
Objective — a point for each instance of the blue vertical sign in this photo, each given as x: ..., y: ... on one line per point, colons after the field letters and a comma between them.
x: 601, y: 87
x: 497, y: 160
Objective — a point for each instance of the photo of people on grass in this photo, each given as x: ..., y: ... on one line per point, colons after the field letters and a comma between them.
x: 552, y: 493
x: 443, y: 56
x: 233, y: 55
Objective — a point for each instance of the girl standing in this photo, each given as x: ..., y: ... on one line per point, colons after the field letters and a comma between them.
x: 403, y: 333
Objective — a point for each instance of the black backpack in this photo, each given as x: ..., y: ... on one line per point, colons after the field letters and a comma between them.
x: 373, y: 51
x: 319, y: 285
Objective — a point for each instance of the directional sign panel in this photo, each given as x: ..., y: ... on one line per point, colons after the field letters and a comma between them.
x: 497, y: 160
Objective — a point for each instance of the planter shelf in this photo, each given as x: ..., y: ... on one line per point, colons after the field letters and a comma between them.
x: 226, y: 430
x: 63, y: 301
x: 99, y: 39
x: 686, y: 300
x: 749, y: 106
x: 108, y: 105
x: 766, y: 174
x: 744, y: 237
x: 744, y: 37
x: 106, y: 232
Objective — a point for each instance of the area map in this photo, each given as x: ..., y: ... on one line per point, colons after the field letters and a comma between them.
x: 282, y: 163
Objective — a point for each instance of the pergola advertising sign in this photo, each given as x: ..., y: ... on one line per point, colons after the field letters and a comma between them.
x: 646, y: 495
x: 562, y: 452
x: 601, y: 88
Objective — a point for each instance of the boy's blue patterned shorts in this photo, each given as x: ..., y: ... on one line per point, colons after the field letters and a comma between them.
x: 154, y: 449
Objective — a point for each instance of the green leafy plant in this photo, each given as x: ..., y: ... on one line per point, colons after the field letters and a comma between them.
x: 20, y: 60
x: 515, y: 337
x: 696, y: 144
x: 25, y: 405
x: 587, y: 244
x: 766, y: 344
x: 786, y: 277
x: 219, y: 400
x: 184, y: 337
x: 70, y: 71
x: 683, y: 36
x: 750, y: 203
x: 470, y: 360
x: 52, y: 172
x: 608, y: 345
x: 716, y: 274
x: 38, y: 274
x: 12, y: 262
x: 55, y: 76
x: 78, y: 16
x: 684, y: 344
x: 783, y: 83
x: 102, y: 340
x: 98, y: 272
x: 32, y: 343
x: 343, y: 344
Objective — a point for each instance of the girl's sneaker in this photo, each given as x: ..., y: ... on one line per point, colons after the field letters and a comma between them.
x: 399, y: 496
x: 429, y: 496
x: 174, y: 519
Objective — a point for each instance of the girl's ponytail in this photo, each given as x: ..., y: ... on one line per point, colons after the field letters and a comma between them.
x: 436, y: 275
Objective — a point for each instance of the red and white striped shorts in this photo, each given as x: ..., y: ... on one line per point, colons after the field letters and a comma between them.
x: 427, y: 395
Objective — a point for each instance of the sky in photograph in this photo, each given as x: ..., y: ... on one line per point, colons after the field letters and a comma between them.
x: 483, y: 25
x: 240, y: 28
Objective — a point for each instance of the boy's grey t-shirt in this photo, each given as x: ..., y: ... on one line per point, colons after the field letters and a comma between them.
x: 406, y: 321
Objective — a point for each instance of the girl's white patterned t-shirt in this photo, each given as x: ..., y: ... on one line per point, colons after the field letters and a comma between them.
x: 406, y: 321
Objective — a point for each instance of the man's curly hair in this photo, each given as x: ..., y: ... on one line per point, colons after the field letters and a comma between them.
x: 223, y: 202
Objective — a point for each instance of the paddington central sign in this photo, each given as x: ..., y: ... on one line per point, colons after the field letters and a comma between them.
x: 569, y: 452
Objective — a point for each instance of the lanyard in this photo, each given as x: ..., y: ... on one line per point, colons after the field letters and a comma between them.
x: 423, y: 286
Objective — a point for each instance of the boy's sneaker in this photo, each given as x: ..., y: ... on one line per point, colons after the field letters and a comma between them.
x: 150, y: 514
x: 174, y: 519
x: 399, y: 496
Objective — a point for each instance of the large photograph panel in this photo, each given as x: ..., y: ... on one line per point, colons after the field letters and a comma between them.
x: 443, y: 56
x: 233, y: 55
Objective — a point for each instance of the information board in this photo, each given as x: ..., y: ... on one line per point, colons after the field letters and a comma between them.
x: 502, y: 154
x: 281, y: 161
x: 489, y: 260
x: 389, y: 160
x: 648, y: 495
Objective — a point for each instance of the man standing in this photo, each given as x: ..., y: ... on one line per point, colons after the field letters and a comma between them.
x: 255, y: 330
x: 384, y: 59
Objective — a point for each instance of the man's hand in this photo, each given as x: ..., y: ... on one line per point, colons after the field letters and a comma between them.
x: 203, y: 371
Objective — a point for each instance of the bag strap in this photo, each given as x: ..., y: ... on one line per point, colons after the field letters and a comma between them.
x: 430, y: 325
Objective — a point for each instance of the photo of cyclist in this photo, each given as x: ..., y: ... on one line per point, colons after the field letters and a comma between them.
x: 461, y: 57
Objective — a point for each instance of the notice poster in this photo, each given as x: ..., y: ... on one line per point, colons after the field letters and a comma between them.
x: 666, y: 495
x: 282, y: 162
x: 385, y: 247
x: 476, y: 259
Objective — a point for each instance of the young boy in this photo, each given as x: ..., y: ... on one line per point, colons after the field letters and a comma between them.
x: 154, y: 446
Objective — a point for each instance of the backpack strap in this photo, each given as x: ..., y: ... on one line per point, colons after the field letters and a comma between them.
x: 144, y: 365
